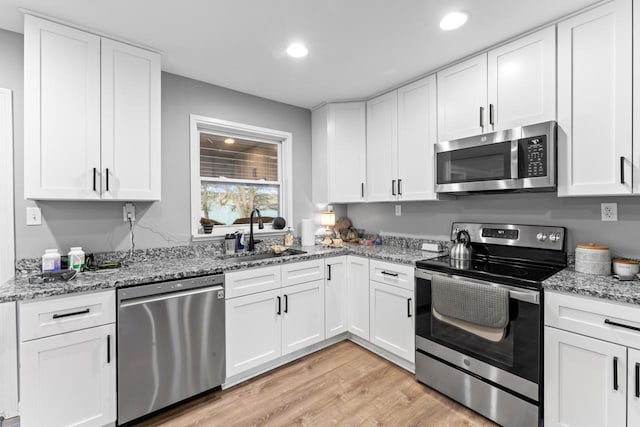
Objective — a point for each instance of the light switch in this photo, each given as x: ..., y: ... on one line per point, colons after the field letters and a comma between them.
x: 34, y: 216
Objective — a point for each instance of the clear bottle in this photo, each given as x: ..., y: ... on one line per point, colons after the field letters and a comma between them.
x: 288, y: 238
x: 76, y: 259
x: 50, y: 260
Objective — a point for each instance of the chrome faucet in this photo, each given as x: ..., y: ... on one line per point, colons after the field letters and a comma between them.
x: 252, y: 243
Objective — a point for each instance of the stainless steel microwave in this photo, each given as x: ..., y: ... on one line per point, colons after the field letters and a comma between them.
x: 518, y: 159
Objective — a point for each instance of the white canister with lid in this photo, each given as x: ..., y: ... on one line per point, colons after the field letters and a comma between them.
x: 592, y: 258
x: 76, y: 259
x: 50, y: 260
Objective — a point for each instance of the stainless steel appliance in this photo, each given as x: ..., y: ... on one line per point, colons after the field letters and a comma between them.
x: 496, y: 371
x: 171, y: 343
x: 518, y: 159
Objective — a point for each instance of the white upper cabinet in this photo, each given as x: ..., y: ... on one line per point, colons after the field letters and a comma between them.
x: 462, y: 98
x: 522, y: 81
x: 594, y: 102
x: 401, y: 132
x: 512, y: 85
x: 417, y: 134
x: 382, y: 147
x: 636, y: 101
x: 339, y: 153
x: 130, y: 122
x: 92, y: 116
x: 62, y: 112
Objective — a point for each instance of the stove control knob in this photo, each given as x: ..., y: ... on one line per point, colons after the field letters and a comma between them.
x: 554, y: 237
x: 541, y: 237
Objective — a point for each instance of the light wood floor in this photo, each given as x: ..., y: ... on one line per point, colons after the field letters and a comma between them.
x: 342, y: 385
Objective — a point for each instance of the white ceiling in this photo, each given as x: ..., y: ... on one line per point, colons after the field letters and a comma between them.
x: 356, y: 47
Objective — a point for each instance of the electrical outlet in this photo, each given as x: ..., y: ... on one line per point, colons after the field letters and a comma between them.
x: 609, y: 211
x: 398, y: 210
x: 128, y: 212
x: 34, y: 216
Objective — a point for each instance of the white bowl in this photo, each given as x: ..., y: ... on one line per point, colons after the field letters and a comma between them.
x: 625, y: 268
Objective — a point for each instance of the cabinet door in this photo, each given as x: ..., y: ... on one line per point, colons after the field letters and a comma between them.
x: 382, y: 148
x: 358, y: 296
x: 8, y: 360
x: 62, y: 112
x: 416, y: 136
x: 633, y: 386
x: 636, y: 101
x: 594, y: 101
x: 253, y: 330
x: 346, y: 152
x: 69, y: 379
x: 462, y: 99
x: 579, y: 381
x: 522, y: 81
x: 130, y: 122
x: 335, y: 297
x: 303, y: 315
x: 392, y: 320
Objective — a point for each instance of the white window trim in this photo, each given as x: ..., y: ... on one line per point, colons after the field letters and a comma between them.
x: 202, y: 123
x: 7, y: 249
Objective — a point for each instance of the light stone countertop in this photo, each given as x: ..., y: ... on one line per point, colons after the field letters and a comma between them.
x: 150, y: 271
x: 605, y: 287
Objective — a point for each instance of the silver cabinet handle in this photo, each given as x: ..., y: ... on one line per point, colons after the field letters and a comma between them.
x: 399, y: 187
x: 482, y: 117
x: 362, y: 190
x: 621, y: 169
x: 393, y: 187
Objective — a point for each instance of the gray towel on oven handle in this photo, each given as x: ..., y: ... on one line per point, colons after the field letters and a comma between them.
x: 476, y: 303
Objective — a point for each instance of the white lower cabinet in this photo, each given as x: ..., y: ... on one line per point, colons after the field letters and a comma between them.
x: 253, y: 330
x: 303, y: 315
x: 392, y: 326
x: 69, y: 379
x: 264, y: 326
x: 580, y: 383
x: 358, y: 296
x: 335, y: 296
x: 592, y: 372
x: 68, y: 360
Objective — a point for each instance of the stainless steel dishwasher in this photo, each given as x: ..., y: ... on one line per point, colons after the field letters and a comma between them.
x: 171, y: 343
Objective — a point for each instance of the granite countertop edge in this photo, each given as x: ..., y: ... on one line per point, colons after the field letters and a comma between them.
x: 140, y: 273
x: 602, y: 287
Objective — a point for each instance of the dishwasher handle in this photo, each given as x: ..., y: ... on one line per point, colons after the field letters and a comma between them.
x: 172, y: 295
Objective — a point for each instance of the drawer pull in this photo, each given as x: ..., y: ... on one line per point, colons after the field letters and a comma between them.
x: 386, y: 273
x: 621, y: 325
x: 615, y: 373
x: 75, y: 313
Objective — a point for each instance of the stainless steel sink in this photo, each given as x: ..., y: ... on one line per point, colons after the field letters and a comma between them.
x: 265, y: 255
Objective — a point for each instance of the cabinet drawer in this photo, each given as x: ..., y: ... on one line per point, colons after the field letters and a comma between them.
x: 57, y: 315
x: 302, y: 272
x: 392, y: 274
x: 246, y: 282
x: 609, y: 321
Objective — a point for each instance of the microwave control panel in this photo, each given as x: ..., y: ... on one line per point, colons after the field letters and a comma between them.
x: 532, y: 157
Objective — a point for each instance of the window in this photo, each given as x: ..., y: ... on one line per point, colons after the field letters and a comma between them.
x: 236, y: 168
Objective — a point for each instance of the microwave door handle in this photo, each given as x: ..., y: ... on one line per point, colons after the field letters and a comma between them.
x: 514, y: 159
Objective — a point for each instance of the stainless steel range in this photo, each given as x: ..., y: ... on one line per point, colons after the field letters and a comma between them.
x: 479, y: 323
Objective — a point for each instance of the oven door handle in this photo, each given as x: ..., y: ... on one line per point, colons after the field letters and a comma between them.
x: 519, y: 294
x: 514, y: 159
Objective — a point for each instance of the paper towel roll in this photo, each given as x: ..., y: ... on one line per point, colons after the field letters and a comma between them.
x: 306, y: 232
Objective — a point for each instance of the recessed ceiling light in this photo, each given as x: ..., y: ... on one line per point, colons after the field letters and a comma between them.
x: 454, y: 20
x: 229, y: 141
x: 297, y: 50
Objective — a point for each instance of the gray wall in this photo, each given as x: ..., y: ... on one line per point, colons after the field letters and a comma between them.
x: 98, y: 226
x: 581, y: 216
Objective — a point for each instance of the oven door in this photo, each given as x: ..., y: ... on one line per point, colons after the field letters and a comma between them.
x: 512, y: 362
